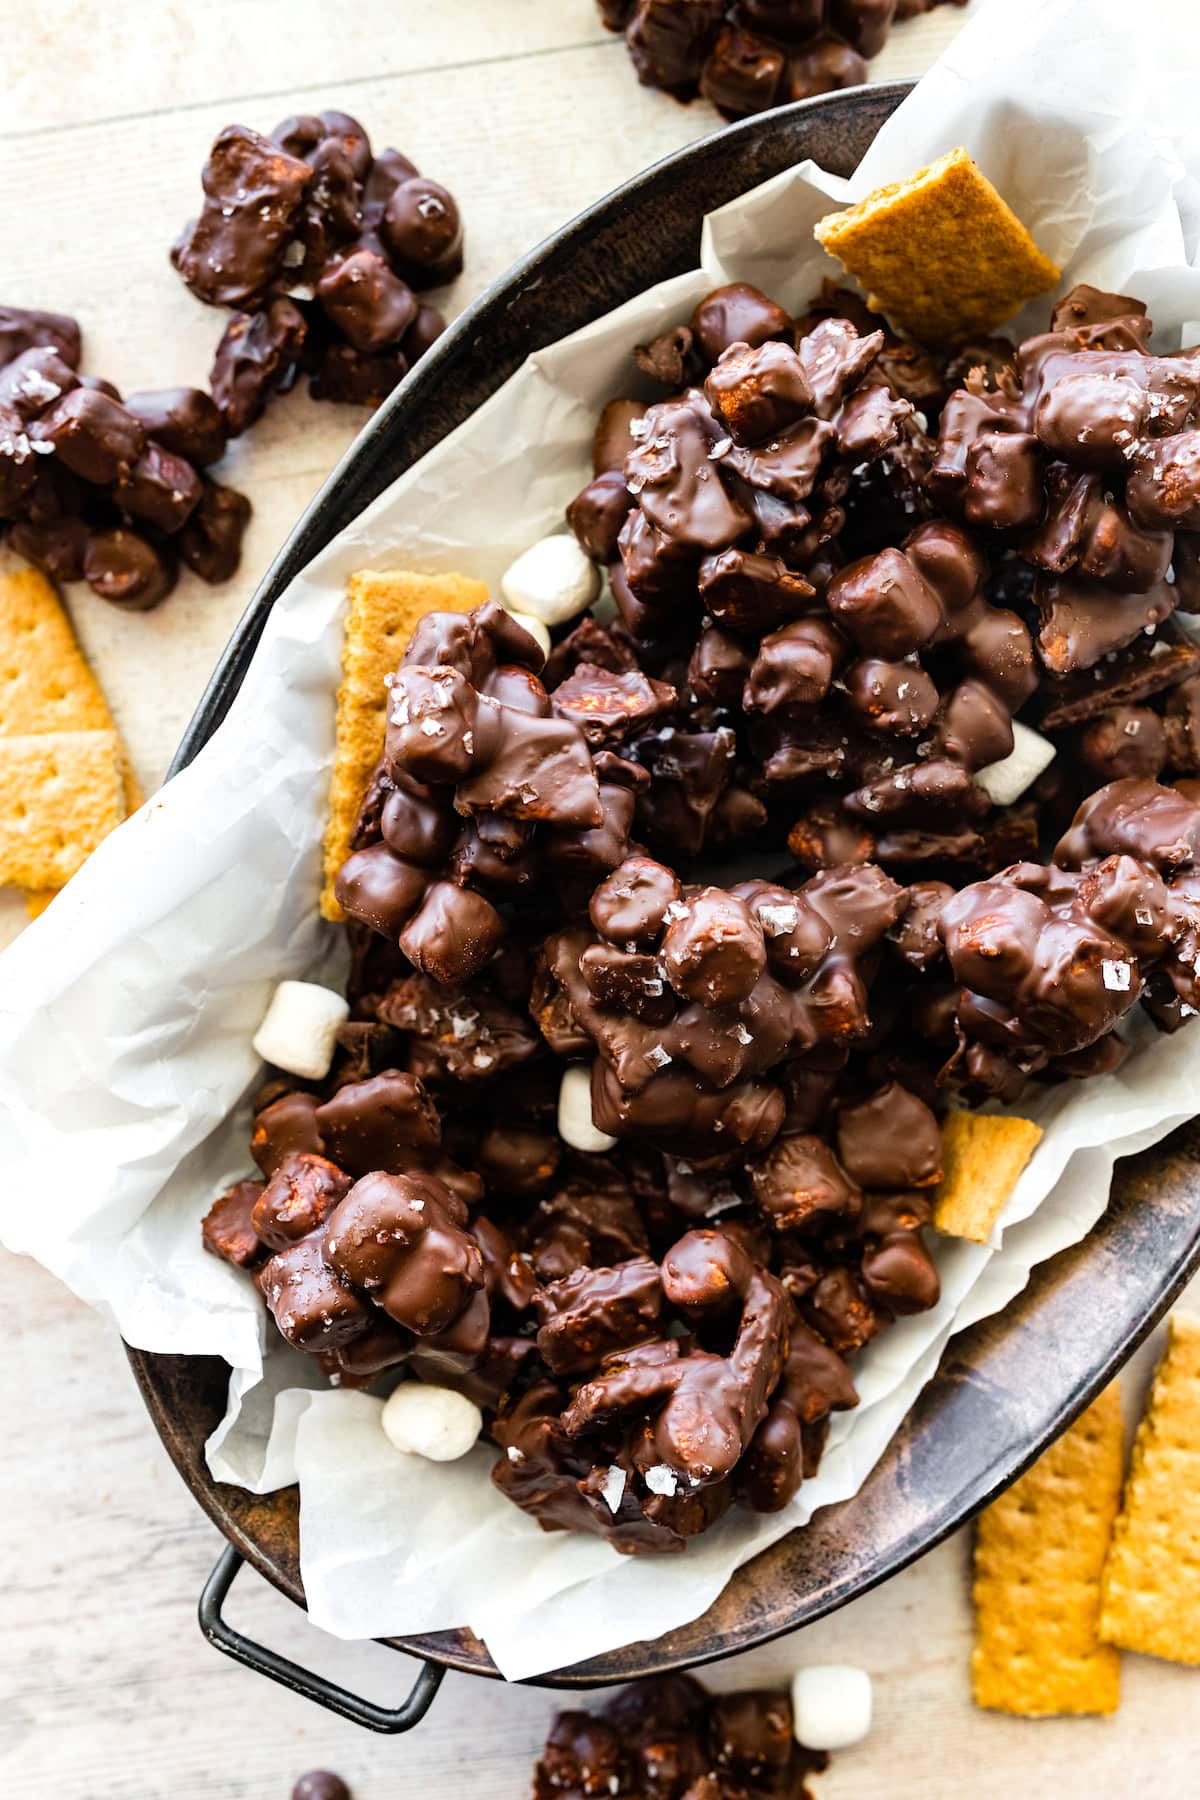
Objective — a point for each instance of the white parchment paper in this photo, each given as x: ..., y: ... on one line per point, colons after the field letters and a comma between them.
x: 126, y: 1011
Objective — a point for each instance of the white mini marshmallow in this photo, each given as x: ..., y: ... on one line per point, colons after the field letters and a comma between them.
x: 1006, y: 780
x: 831, y: 1706
x: 554, y: 580
x: 575, y: 1112
x: 433, y: 1422
x: 534, y: 627
x: 300, y: 1028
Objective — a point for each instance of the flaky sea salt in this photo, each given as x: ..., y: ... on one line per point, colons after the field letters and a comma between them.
x: 661, y: 1480
x: 657, y: 1057
x: 1117, y: 975
x: 613, y: 1488
x: 778, y: 920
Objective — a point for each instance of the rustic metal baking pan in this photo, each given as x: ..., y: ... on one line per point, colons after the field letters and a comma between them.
x: 1005, y: 1388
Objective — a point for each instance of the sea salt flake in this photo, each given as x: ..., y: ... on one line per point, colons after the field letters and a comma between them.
x: 1117, y: 976
x: 676, y: 910
x: 742, y: 1035
x: 657, y: 1057
x: 430, y: 727
x: 515, y: 1455
x: 779, y: 919
x: 613, y: 1489
x: 661, y: 1480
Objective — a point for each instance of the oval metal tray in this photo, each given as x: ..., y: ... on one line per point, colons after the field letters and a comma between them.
x: 1006, y: 1387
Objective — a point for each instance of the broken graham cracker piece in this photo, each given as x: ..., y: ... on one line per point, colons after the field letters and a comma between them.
x: 61, y: 792
x: 941, y: 254
x: 1151, y: 1590
x: 45, y: 683
x: 983, y: 1155
x: 383, y: 609
x: 1039, y: 1553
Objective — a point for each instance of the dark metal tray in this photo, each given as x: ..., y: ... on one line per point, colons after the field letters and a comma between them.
x: 1006, y: 1387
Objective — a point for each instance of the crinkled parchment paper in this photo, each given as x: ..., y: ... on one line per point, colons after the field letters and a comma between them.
x: 126, y: 1012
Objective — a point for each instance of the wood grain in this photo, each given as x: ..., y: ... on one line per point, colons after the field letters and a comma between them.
x: 528, y: 111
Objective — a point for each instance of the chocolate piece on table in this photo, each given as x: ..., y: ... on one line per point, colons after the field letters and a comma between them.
x: 127, y: 570
x: 422, y: 230
x: 24, y: 328
x: 742, y: 73
x: 253, y: 193
x: 160, y: 488
x: 369, y: 304
x: 355, y: 378
x: 256, y: 355
x: 95, y: 437
x: 185, y: 421
x: 210, y: 543
x: 34, y: 380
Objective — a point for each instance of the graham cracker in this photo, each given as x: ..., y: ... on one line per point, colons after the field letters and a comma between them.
x: 1151, y: 1595
x: 384, y: 606
x: 1039, y: 1553
x: 45, y: 683
x: 941, y: 254
x: 61, y: 792
x: 983, y: 1155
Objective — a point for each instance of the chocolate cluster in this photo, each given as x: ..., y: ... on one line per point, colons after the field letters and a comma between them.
x: 320, y: 248
x: 741, y: 853
x: 670, y: 1739
x: 747, y: 57
x: 110, y: 490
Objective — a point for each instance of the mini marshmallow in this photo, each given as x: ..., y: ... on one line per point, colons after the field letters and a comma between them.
x: 831, y: 1706
x: 575, y: 1112
x: 1006, y: 780
x: 433, y: 1422
x: 299, y: 1030
x: 554, y: 580
x: 534, y: 627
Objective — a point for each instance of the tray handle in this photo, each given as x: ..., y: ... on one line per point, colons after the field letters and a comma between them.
x: 306, y: 1682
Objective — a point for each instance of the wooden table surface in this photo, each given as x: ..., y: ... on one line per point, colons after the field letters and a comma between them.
x: 528, y: 111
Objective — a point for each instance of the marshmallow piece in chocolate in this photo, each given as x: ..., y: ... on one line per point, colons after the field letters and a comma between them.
x: 713, y: 951
x: 253, y: 193
x: 554, y: 580
x: 400, y: 1238
x: 299, y: 1028
x: 537, y: 628
x: 1005, y: 781
x: 93, y: 435
x: 831, y: 1706
x: 575, y: 1125
x: 437, y: 1423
